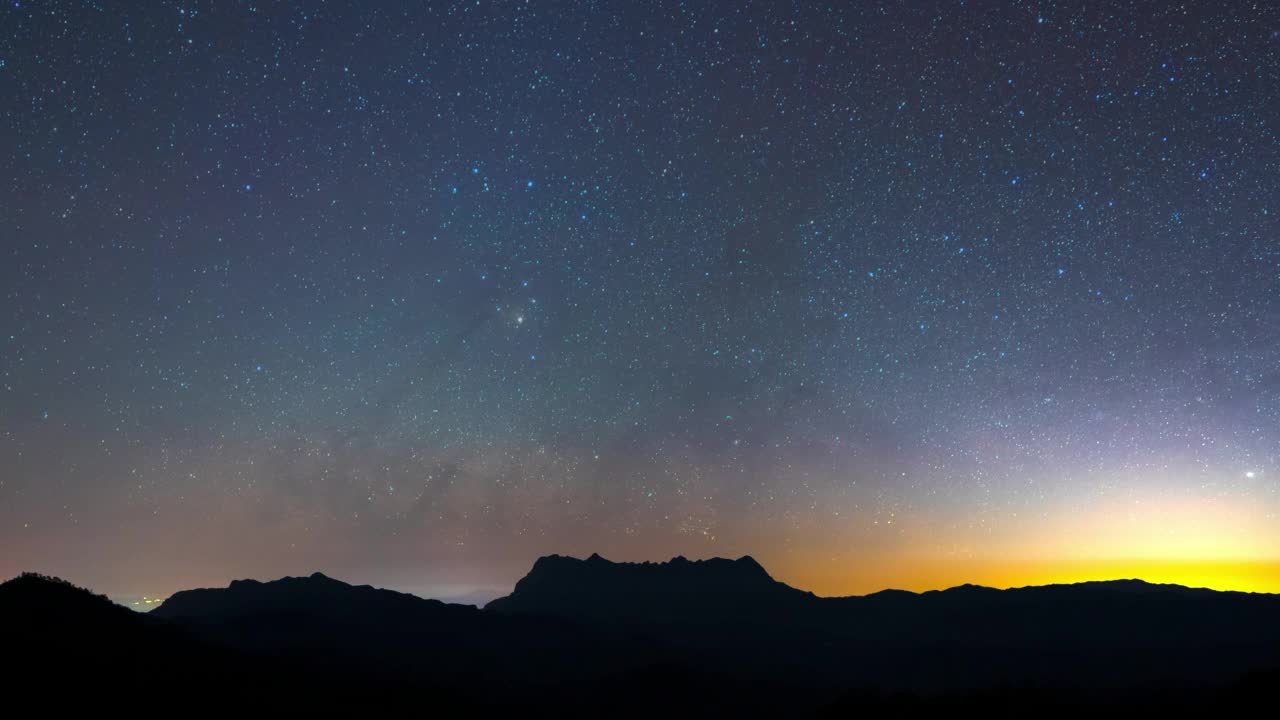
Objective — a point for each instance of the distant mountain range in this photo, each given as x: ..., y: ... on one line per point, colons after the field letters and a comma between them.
x: 594, y: 637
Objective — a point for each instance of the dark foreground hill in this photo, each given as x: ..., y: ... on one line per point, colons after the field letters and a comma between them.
x: 593, y: 637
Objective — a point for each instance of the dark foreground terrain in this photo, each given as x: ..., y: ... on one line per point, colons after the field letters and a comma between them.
x: 602, y: 639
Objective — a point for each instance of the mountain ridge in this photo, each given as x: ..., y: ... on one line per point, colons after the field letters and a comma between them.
x: 677, y: 588
x: 31, y: 578
x: 316, y: 594
x: 718, y: 632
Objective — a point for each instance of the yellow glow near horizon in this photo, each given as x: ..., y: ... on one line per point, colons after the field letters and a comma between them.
x: 923, y: 575
x: 1182, y: 539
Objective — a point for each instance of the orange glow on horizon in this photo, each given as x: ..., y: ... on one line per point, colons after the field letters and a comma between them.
x: 1238, y: 575
x: 1183, y: 539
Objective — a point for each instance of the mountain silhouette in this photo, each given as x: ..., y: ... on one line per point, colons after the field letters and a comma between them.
x: 51, y: 616
x: 316, y: 596
x: 591, y: 637
x: 598, y: 589
x: 1105, y: 614
x: 73, y: 649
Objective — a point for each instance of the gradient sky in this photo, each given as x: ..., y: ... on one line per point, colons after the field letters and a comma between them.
x: 885, y: 294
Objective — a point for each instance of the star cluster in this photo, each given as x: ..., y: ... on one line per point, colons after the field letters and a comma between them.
x: 881, y: 293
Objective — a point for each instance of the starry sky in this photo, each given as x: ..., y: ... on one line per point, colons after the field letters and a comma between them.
x: 885, y: 294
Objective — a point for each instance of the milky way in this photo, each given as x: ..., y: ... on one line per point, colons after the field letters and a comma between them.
x: 883, y: 294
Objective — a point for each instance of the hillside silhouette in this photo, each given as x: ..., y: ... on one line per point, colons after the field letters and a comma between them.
x: 592, y: 637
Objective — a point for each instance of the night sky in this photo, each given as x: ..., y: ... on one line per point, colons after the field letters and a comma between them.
x: 885, y: 294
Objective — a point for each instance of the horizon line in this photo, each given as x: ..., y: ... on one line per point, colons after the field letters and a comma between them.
x: 152, y: 600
